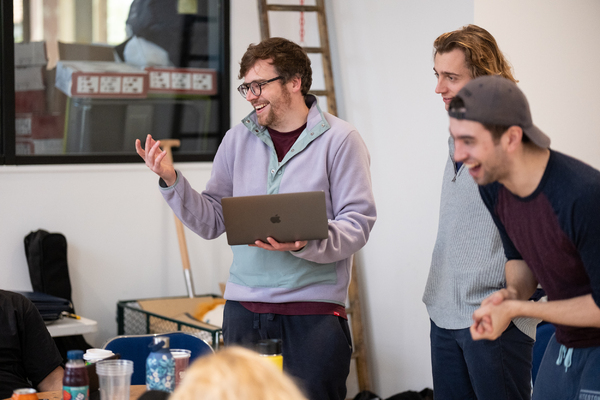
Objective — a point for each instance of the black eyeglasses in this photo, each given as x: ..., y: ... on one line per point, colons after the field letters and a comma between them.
x: 254, y: 87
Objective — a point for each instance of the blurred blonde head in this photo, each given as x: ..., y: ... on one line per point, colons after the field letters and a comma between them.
x: 235, y: 373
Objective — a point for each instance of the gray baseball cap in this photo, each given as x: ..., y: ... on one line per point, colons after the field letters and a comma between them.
x: 495, y: 100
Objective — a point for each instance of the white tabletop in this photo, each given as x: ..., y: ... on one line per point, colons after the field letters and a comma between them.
x: 71, y: 326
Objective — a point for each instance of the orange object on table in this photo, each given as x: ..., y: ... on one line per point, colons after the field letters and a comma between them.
x: 24, y: 394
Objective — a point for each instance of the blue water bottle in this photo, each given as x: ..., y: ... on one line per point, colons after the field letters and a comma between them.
x: 160, y: 366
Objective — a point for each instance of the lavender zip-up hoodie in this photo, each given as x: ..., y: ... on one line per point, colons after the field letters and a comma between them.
x: 330, y: 156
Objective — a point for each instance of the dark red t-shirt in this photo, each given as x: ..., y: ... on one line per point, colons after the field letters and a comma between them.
x: 283, y: 141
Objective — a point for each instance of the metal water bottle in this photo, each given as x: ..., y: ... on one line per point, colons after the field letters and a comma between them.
x: 271, y: 350
x: 160, y: 366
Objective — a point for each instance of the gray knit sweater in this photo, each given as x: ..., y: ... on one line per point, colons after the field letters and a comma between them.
x: 468, y: 258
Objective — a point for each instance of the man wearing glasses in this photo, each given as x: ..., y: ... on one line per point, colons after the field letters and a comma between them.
x: 296, y: 291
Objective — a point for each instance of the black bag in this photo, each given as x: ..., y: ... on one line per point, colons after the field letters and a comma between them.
x: 47, y: 260
x: 50, y: 307
x: 49, y: 273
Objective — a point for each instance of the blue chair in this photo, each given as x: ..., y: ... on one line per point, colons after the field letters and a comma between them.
x: 136, y: 348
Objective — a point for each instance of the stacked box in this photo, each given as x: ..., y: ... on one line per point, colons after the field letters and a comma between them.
x: 182, y: 81
x: 39, y: 133
x: 30, y: 102
x: 30, y: 62
x: 37, y: 130
x: 30, y: 54
x: 101, y: 79
x: 29, y: 79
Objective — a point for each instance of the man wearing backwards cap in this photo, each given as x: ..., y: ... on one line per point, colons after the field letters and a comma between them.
x: 547, y: 208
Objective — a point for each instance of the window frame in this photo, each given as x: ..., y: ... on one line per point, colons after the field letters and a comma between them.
x: 8, y: 154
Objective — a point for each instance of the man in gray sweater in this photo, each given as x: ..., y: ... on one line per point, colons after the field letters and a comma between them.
x: 468, y: 262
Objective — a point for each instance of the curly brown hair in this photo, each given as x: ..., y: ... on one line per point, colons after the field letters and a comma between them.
x: 482, y: 54
x: 289, y: 59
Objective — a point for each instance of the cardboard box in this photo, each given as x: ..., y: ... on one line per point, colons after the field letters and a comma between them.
x: 29, y: 78
x: 30, y: 146
x: 30, y: 54
x: 24, y: 146
x: 182, y: 81
x: 85, y: 52
x: 23, y: 125
x: 36, y: 126
x: 47, y: 146
x: 32, y: 101
x: 39, y: 134
x: 180, y: 309
x: 56, y: 100
x: 101, y: 79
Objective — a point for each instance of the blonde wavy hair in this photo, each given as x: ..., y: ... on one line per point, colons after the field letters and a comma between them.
x: 235, y: 373
x: 482, y: 54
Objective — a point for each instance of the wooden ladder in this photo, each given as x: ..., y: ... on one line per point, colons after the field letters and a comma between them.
x: 354, y: 312
x: 354, y: 307
x: 319, y: 8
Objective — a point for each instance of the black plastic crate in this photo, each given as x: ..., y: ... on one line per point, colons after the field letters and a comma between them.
x: 133, y: 320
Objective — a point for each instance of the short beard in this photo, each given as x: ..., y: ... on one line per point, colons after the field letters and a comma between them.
x: 274, y: 117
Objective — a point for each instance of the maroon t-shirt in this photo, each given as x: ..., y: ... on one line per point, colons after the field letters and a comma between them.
x: 296, y: 308
x: 556, y: 231
x: 283, y: 141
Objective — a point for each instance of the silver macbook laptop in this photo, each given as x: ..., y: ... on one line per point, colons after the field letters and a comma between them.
x: 285, y: 217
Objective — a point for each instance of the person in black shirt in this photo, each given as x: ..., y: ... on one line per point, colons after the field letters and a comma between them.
x: 546, y: 206
x: 28, y: 355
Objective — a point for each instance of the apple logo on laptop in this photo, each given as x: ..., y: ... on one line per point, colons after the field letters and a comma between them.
x: 275, y: 219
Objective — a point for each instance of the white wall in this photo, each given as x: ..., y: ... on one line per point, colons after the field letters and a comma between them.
x: 387, y: 90
x: 554, y: 49
x: 121, y: 236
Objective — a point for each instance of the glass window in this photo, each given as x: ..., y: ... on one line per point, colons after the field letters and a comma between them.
x: 92, y: 76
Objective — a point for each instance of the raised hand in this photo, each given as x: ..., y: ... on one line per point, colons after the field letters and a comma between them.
x: 154, y: 156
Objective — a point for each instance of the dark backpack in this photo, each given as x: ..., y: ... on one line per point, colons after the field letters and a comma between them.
x: 47, y: 260
x: 49, y: 273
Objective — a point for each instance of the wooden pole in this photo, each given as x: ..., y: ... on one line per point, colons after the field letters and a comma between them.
x: 166, y: 145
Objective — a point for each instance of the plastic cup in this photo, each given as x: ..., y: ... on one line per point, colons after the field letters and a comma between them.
x: 182, y: 361
x: 114, y: 377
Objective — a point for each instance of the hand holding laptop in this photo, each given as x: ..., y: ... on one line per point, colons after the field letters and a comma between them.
x: 277, y: 222
x: 274, y: 245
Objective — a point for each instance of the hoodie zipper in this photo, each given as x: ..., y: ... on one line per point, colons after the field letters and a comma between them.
x: 455, y: 171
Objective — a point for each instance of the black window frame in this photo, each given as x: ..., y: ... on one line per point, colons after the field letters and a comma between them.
x: 8, y: 154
